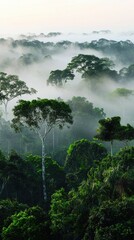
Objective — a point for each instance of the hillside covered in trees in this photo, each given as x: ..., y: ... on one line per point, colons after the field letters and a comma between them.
x: 66, y: 139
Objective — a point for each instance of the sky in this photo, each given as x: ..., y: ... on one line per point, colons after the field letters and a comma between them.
x: 36, y: 16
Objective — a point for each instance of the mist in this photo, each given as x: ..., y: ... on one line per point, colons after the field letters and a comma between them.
x: 33, y: 56
x: 75, y: 36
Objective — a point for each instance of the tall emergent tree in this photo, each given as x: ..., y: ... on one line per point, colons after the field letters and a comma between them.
x: 11, y: 87
x: 109, y: 130
x: 59, y: 77
x: 41, y: 116
x: 91, y: 66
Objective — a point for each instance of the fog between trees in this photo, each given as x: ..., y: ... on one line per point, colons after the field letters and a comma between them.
x: 33, y: 57
x: 89, y: 192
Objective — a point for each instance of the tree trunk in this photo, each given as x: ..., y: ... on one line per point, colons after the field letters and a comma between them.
x: 6, y: 112
x: 44, y: 171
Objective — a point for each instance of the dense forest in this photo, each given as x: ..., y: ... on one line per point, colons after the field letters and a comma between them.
x: 66, y: 138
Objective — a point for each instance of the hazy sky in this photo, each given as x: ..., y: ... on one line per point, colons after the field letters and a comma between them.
x: 23, y: 16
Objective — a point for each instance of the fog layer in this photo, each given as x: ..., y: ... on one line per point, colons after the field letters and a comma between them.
x: 32, y: 57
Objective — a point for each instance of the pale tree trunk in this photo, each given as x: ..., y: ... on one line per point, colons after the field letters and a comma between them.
x: 43, y: 139
x: 6, y: 112
x: 44, y: 171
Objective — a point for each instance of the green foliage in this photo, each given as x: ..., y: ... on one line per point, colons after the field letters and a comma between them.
x: 112, y: 220
x: 126, y: 133
x: 58, y: 198
x: 41, y: 116
x: 20, y: 178
x: 110, y: 129
x: 85, y: 121
x: 91, y: 66
x: 8, y: 208
x: 112, y: 177
x: 58, y: 77
x: 130, y: 71
x: 85, y: 117
x: 29, y: 224
x: 36, y: 112
x: 55, y: 176
x: 80, y: 105
x: 127, y: 73
x: 82, y: 153
x: 103, y: 205
x: 61, y: 215
x: 11, y: 87
x: 123, y: 92
x: 28, y: 59
x: 17, y: 177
